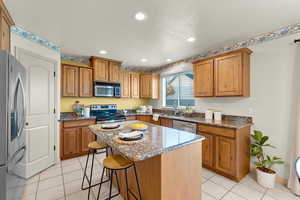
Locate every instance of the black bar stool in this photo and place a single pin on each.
(113, 164)
(93, 148)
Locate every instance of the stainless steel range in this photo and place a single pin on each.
(106, 113)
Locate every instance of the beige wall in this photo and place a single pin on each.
(275, 80)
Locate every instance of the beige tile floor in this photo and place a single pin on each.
(63, 182)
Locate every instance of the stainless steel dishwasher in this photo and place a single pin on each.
(185, 126)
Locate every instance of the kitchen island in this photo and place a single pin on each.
(168, 162)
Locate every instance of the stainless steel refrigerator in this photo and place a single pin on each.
(12, 123)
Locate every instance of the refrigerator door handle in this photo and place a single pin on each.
(19, 88)
(22, 149)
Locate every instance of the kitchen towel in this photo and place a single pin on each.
(155, 117)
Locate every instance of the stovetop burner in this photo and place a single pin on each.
(106, 113)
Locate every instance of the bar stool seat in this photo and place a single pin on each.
(93, 148)
(117, 162)
(97, 145)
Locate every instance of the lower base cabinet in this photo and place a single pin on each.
(148, 119)
(86, 137)
(226, 151)
(166, 122)
(75, 137)
(71, 141)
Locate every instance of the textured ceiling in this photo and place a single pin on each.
(85, 27)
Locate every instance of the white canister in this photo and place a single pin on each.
(87, 112)
(208, 114)
(217, 115)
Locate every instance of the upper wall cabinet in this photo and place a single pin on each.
(125, 84)
(114, 72)
(105, 70)
(130, 84)
(149, 86)
(69, 81)
(76, 81)
(5, 23)
(100, 67)
(135, 85)
(225, 75)
(204, 78)
(85, 82)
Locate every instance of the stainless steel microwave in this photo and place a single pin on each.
(102, 89)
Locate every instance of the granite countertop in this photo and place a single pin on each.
(234, 122)
(157, 140)
(72, 116)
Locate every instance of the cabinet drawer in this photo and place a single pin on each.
(79, 123)
(227, 132)
(130, 118)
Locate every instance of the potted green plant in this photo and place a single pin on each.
(265, 174)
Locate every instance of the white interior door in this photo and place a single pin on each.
(40, 116)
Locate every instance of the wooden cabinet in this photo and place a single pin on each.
(76, 81)
(100, 68)
(125, 84)
(204, 79)
(229, 75)
(71, 141)
(144, 118)
(135, 85)
(148, 119)
(85, 82)
(225, 155)
(130, 84)
(69, 81)
(105, 70)
(86, 137)
(207, 150)
(6, 22)
(226, 150)
(114, 72)
(75, 137)
(130, 118)
(224, 75)
(149, 86)
(166, 122)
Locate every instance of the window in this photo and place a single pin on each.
(179, 90)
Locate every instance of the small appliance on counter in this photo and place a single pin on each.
(106, 113)
(87, 111)
(217, 115)
(209, 114)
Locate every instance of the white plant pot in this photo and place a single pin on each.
(265, 179)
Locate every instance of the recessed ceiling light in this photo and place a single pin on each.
(169, 60)
(144, 60)
(103, 52)
(191, 39)
(140, 16)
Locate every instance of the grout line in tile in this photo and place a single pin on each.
(239, 194)
(63, 180)
(209, 195)
(37, 187)
(265, 193)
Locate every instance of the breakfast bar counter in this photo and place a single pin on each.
(168, 161)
